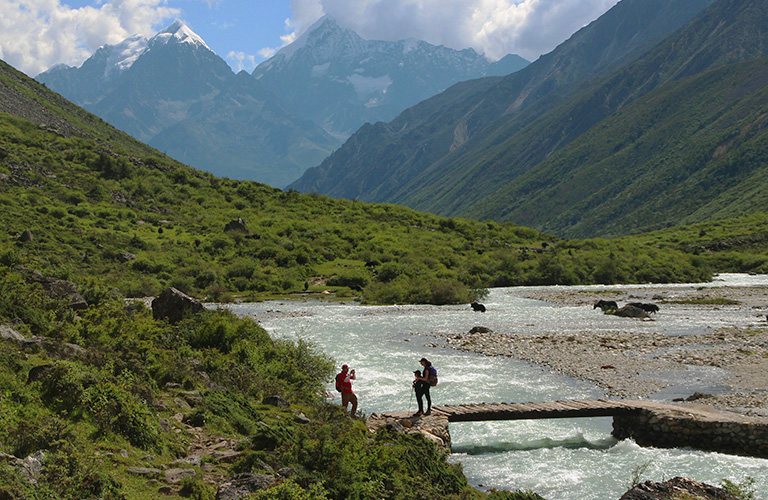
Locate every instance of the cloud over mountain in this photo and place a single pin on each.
(35, 34)
(494, 27)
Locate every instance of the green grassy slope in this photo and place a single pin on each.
(692, 151)
(116, 401)
(725, 34)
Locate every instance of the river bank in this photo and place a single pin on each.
(730, 363)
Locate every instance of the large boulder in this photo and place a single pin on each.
(56, 288)
(675, 489)
(174, 305)
(236, 225)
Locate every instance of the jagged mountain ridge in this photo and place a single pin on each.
(424, 158)
(173, 92)
(341, 81)
(678, 137)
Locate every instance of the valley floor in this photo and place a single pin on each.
(725, 368)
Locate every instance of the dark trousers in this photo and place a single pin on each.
(422, 390)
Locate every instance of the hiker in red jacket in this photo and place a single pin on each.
(344, 385)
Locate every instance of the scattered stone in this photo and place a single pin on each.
(276, 401)
(480, 329)
(286, 472)
(174, 476)
(6, 332)
(60, 289)
(675, 489)
(144, 471)
(126, 257)
(398, 426)
(26, 236)
(165, 490)
(194, 460)
(32, 466)
(174, 305)
(301, 418)
(124, 453)
(243, 485)
(54, 348)
(227, 457)
(6, 457)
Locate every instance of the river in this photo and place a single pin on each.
(568, 459)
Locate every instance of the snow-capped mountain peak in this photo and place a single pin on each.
(179, 32)
(121, 56)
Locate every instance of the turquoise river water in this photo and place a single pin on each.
(568, 459)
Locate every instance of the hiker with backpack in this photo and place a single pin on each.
(422, 382)
(344, 386)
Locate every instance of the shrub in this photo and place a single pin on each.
(289, 490)
(114, 409)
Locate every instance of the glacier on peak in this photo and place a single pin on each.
(180, 32)
(121, 56)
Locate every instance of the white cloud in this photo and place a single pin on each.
(242, 61)
(36, 34)
(494, 27)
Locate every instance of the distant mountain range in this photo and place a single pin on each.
(650, 116)
(341, 81)
(172, 92)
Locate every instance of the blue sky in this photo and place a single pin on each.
(37, 34)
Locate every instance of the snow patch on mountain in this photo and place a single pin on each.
(367, 85)
(122, 56)
(320, 69)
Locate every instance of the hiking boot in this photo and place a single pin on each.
(418, 414)
(429, 412)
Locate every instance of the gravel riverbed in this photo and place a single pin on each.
(642, 363)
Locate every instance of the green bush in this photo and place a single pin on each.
(114, 409)
(288, 490)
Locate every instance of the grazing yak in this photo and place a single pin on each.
(630, 311)
(606, 305)
(649, 308)
(476, 306)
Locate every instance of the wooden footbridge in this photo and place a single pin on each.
(555, 409)
(649, 423)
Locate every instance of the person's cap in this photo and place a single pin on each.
(344, 367)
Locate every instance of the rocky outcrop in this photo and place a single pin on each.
(237, 225)
(675, 489)
(173, 305)
(243, 485)
(56, 288)
(432, 427)
(54, 348)
(6, 332)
